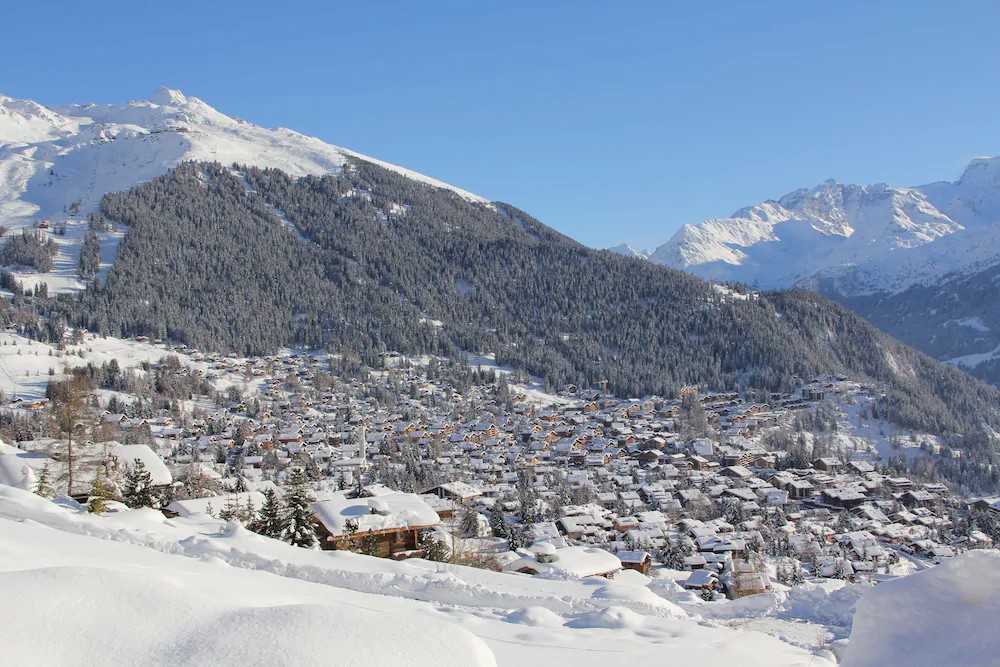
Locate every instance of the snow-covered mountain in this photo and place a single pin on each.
(851, 239)
(629, 251)
(916, 262)
(57, 162)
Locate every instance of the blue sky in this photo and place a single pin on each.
(608, 121)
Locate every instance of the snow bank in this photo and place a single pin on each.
(946, 615)
(235, 579)
(133, 606)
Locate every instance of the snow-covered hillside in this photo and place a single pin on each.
(57, 162)
(851, 239)
(154, 591)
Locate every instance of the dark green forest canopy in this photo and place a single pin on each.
(249, 260)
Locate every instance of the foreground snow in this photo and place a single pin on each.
(75, 600)
(90, 587)
(946, 615)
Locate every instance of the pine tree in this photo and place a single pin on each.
(231, 510)
(43, 487)
(369, 544)
(270, 521)
(470, 522)
(515, 540)
(498, 524)
(434, 550)
(98, 494)
(798, 576)
(138, 491)
(299, 529)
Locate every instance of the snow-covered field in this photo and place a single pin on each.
(152, 591)
(136, 588)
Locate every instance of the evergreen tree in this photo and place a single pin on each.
(470, 522)
(299, 528)
(231, 510)
(515, 539)
(98, 494)
(90, 256)
(369, 544)
(271, 520)
(138, 490)
(434, 549)
(43, 486)
(498, 524)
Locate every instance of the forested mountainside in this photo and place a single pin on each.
(956, 320)
(368, 260)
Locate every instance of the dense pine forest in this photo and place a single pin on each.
(248, 260)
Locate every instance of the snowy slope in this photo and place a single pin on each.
(851, 239)
(57, 162)
(942, 616)
(153, 591)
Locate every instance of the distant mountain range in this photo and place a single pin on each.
(919, 262)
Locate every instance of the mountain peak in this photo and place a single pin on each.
(981, 168)
(165, 96)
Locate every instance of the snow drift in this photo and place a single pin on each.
(946, 615)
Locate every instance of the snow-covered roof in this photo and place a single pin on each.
(570, 562)
(127, 454)
(386, 512)
(701, 579)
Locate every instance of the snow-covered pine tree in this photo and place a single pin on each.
(470, 522)
(138, 491)
(270, 521)
(98, 494)
(299, 529)
(798, 576)
(434, 549)
(515, 540)
(231, 510)
(43, 485)
(369, 544)
(498, 524)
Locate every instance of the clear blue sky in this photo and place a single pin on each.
(608, 121)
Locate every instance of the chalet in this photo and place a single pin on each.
(393, 520)
(701, 579)
(458, 491)
(844, 497)
(577, 562)
(744, 580)
(639, 561)
(861, 467)
(799, 489)
(827, 464)
(918, 498)
(129, 454)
